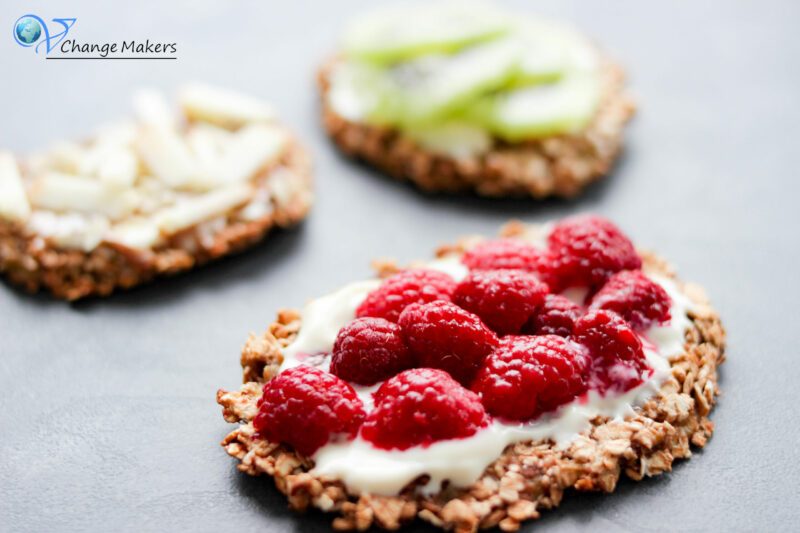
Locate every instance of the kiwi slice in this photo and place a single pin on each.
(401, 33)
(435, 86)
(540, 110)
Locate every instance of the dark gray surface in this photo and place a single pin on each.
(107, 412)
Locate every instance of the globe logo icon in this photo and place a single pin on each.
(28, 30)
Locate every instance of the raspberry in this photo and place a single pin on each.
(368, 350)
(503, 299)
(530, 375)
(305, 407)
(635, 297)
(405, 288)
(619, 361)
(510, 254)
(588, 249)
(421, 406)
(442, 335)
(556, 316)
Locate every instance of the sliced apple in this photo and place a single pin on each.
(432, 87)
(13, 200)
(64, 192)
(190, 211)
(541, 110)
(152, 108)
(167, 156)
(137, 233)
(403, 32)
(251, 149)
(222, 107)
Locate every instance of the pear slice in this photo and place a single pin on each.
(432, 87)
(186, 213)
(222, 107)
(55, 191)
(13, 201)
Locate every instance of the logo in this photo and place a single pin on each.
(29, 29)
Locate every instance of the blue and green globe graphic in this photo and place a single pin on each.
(28, 30)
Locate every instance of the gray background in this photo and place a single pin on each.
(107, 412)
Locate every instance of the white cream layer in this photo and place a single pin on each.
(368, 469)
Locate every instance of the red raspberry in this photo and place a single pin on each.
(503, 299)
(556, 316)
(619, 361)
(442, 335)
(405, 288)
(510, 254)
(530, 375)
(421, 406)
(368, 350)
(588, 249)
(635, 297)
(305, 407)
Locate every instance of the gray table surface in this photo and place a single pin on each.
(107, 412)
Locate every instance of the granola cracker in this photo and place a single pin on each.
(560, 166)
(528, 477)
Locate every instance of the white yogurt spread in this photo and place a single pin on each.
(368, 469)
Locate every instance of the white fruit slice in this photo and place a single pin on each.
(64, 192)
(13, 201)
(251, 149)
(431, 87)
(224, 108)
(152, 109)
(114, 164)
(458, 140)
(137, 233)
(207, 141)
(404, 32)
(190, 211)
(541, 110)
(64, 157)
(118, 167)
(167, 156)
